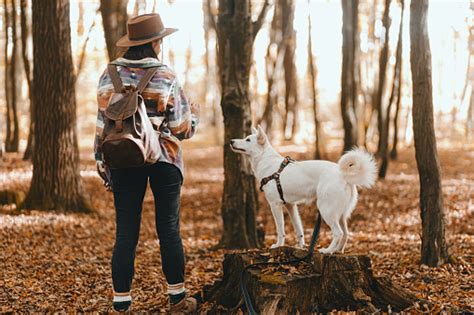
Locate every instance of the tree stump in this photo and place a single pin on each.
(320, 284)
(8, 197)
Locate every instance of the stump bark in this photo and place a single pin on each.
(8, 197)
(320, 284)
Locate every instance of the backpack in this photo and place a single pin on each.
(129, 139)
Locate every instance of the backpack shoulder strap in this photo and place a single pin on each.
(115, 77)
(146, 79)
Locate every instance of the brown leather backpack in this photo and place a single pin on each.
(129, 139)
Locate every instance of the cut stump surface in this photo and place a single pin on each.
(320, 284)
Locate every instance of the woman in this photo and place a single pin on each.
(176, 120)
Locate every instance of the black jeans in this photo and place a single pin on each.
(129, 186)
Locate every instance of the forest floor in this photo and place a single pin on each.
(61, 262)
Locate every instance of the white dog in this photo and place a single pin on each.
(333, 185)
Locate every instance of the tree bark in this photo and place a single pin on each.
(114, 19)
(318, 285)
(273, 65)
(80, 23)
(27, 67)
(349, 84)
(470, 81)
(395, 96)
(8, 120)
(56, 183)
(188, 66)
(211, 86)
(313, 72)
(271, 60)
(434, 250)
(291, 77)
(367, 62)
(13, 135)
(236, 33)
(383, 60)
(394, 151)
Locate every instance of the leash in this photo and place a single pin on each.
(312, 245)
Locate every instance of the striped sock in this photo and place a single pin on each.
(122, 301)
(176, 292)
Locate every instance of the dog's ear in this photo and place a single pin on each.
(254, 131)
(261, 136)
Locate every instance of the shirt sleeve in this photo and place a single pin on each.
(104, 92)
(181, 122)
(98, 136)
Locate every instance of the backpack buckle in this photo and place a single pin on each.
(127, 88)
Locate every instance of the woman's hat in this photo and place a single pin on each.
(144, 29)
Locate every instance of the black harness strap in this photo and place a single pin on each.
(276, 177)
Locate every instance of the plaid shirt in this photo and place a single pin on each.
(166, 105)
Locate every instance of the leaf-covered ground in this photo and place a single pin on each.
(61, 262)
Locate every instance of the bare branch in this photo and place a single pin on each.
(257, 25)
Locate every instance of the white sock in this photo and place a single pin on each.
(177, 288)
(122, 298)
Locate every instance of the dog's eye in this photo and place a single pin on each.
(248, 140)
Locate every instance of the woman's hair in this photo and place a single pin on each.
(140, 52)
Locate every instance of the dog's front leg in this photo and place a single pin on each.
(297, 225)
(277, 211)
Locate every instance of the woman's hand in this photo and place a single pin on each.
(104, 173)
(195, 109)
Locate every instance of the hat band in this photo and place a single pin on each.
(147, 36)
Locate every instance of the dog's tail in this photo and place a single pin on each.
(358, 168)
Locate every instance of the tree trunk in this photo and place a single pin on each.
(291, 77)
(207, 82)
(319, 285)
(434, 251)
(378, 101)
(211, 91)
(236, 34)
(395, 96)
(470, 81)
(56, 178)
(470, 117)
(270, 67)
(368, 60)
(26, 66)
(13, 135)
(349, 84)
(114, 19)
(313, 72)
(80, 23)
(273, 62)
(188, 66)
(8, 119)
(394, 152)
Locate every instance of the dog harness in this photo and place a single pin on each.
(276, 177)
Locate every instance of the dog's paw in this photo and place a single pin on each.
(301, 245)
(325, 251)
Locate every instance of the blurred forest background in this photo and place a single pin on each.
(192, 53)
(320, 76)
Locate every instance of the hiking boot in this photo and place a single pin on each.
(122, 307)
(187, 305)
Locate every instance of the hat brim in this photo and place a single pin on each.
(126, 42)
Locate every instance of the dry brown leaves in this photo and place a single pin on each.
(61, 262)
